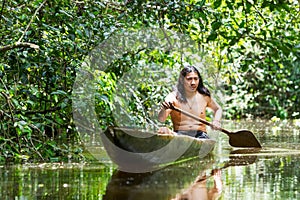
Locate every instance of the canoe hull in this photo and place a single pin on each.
(134, 150)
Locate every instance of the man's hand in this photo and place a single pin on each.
(165, 130)
(216, 125)
(167, 105)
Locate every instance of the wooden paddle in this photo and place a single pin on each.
(241, 138)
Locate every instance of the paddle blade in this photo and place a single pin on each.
(243, 138)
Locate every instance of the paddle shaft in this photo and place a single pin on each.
(199, 119)
(243, 138)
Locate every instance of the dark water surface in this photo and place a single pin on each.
(270, 173)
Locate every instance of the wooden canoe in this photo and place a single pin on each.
(135, 150)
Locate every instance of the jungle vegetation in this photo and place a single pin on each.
(251, 47)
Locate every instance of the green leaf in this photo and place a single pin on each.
(59, 92)
(216, 25)
(203, 16)
(213, 35)
(200, 4)
(217, 3)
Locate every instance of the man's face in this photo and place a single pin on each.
(191, 82)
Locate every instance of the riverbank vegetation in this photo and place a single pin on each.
(252, 47)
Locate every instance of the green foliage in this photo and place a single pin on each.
(36, 83)
(105, 88)
(253, 47)
(260, 48)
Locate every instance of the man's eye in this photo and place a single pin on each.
(195, 79)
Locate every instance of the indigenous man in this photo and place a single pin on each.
(190, 95)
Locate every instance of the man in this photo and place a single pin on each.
(190, 95)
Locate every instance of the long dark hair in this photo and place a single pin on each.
(180, 92)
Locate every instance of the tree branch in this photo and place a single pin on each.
(31, 20)
(19, 45)
(30, 112)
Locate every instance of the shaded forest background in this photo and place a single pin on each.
(252, 47)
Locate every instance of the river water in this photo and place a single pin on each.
(229, 173)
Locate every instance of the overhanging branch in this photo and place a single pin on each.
(19, 45)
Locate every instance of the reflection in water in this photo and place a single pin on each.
(199, 191)
(53, 181)
(274, 174)
(270, 175)
(162, 184)
(187, 181)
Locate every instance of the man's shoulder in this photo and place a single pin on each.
(171, 95)
(205, 97)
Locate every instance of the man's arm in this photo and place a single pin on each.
(163, 114)
(217, 112)
(165, 111)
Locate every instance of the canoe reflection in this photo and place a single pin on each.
(161, 184)
(181, 182)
